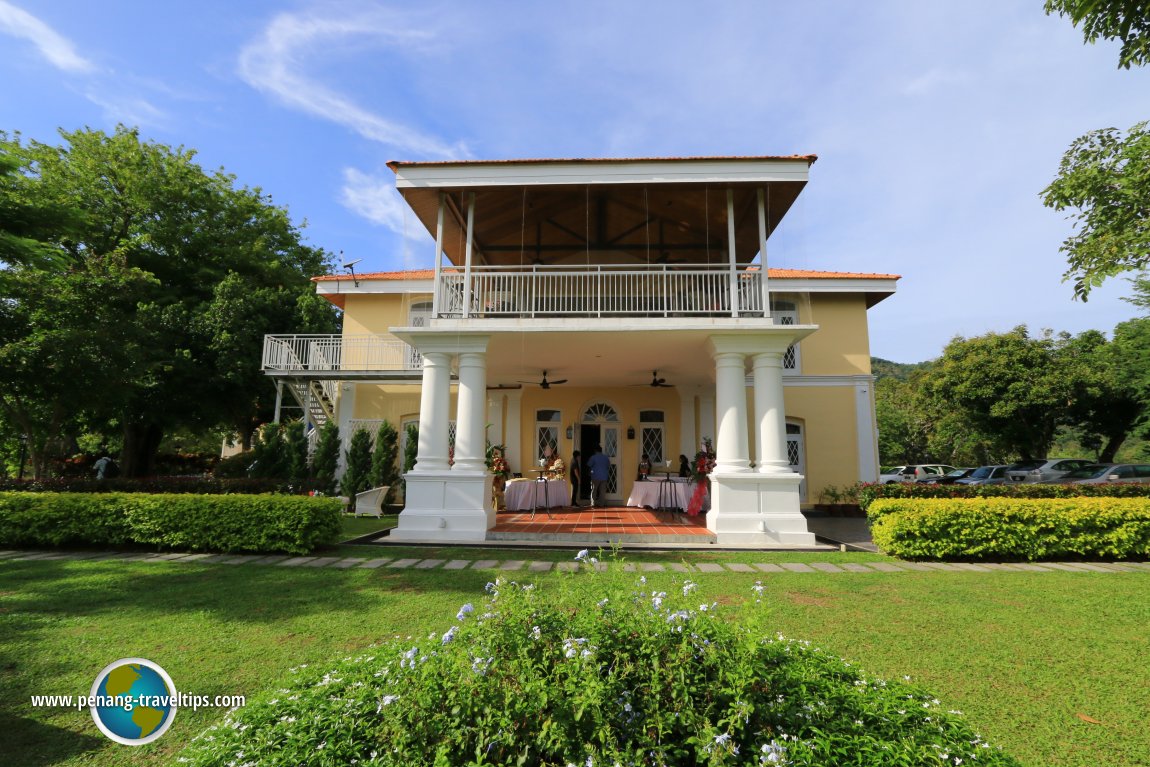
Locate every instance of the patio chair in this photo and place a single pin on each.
(370, 502)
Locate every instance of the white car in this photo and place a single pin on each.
(914, 473)
(1044, 470)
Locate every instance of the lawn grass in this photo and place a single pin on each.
(1023, 654)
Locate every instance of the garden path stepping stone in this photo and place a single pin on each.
(652, 567)
(273, 559)
(885, 567)
(321, 562)
(6, 554)
(371, 564)
(797, 567)
(513, 564)
(679, 567)
(739, 567)
(484, 564)
(942, 566)
(914, 566)
(293, 562)
(826, 567)
(1094, 568)
(402, 564)
(242, 559)
(766, 568)
(344, 564)
(430, 564)
(539, 567)
(971, 567)
(709, 567)
(457, 564)
(855, 567)
(567, 567)
(196, 557)
(998, 566)
(1030, 567)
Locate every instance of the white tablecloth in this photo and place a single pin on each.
(520, 494)
(647, 493)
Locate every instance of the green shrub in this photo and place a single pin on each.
(225, 523)
(295, 451)
(358, 471)
(325, 462)
(870, 492)
(384, 472)
(1012, 528)
(202, 485)
(607, 670)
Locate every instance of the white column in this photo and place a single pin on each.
(469, 447)
(867, 435)
(732, 453)
(344, 412)
(467, 255)
(688, 439)
(495, 418)
(733, 277)
(763, 255)
(434, 412)
(435, 300)
(770, 414)
(514, 430)
(706, 420)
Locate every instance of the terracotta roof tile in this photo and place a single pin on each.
(395, 165)
(778, 274)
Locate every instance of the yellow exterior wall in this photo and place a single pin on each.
(391, 402)
(841, 345)
(830, 434)
(374, 313)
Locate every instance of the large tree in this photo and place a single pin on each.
(222, 262)
(1124, 20)
(1105, 176)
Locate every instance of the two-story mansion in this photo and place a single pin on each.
(624, 303)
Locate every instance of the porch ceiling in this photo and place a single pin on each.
(623, 356)
(602, 212)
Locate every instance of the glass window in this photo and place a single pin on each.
(548, 416)
(651, 416)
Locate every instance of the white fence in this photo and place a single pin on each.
(289, 353)
(594, 291)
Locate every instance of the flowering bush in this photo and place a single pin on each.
(870, 492)
(608, 670)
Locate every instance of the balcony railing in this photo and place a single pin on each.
(658, 290)
(359, 353)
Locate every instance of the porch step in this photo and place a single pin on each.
(604, 539)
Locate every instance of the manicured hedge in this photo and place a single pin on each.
(210, 485)
(868, 493)
(1012, 528)
(224, 523)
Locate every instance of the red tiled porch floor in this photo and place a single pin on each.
(612, 523)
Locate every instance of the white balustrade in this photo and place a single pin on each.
(319, 353)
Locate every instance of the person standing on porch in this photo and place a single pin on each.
(599, 466)
(576, 477)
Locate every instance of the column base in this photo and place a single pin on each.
(757, 509)
(446, 506)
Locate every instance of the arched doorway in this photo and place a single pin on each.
(599, 425)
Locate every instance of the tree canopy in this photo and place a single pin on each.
(1124, 20)
(205, 268)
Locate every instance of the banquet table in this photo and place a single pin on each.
(520, 494)
(647, 494)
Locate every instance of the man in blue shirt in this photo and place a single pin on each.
(599, 467)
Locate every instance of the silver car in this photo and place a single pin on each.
(1044, 470)
(1104, 473)
(986, 475)
(914, 473)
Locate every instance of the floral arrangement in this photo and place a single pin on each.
(496, 463)
(701, 468)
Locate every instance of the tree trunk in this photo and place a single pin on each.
(1111, 449)
(141, 443)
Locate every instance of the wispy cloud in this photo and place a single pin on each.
(378, 201)
(932, 80)
(53, 46)
(276, 63)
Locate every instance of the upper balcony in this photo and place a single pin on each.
(594, 291)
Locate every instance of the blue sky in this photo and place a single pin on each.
(937, 124)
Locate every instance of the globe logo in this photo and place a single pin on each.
(134, 701)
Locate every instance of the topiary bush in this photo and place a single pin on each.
(201, 485)
(1012, 528)
(607, 670)
(224, 523)
(870, 492)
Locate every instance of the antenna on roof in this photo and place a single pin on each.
(350, 266)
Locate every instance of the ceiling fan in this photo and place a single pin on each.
(545, 384)
(656, 381)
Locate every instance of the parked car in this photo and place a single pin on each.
(947, 479)
(1103, 473)
(1040, 470)
(985, 475)
(914, 473)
